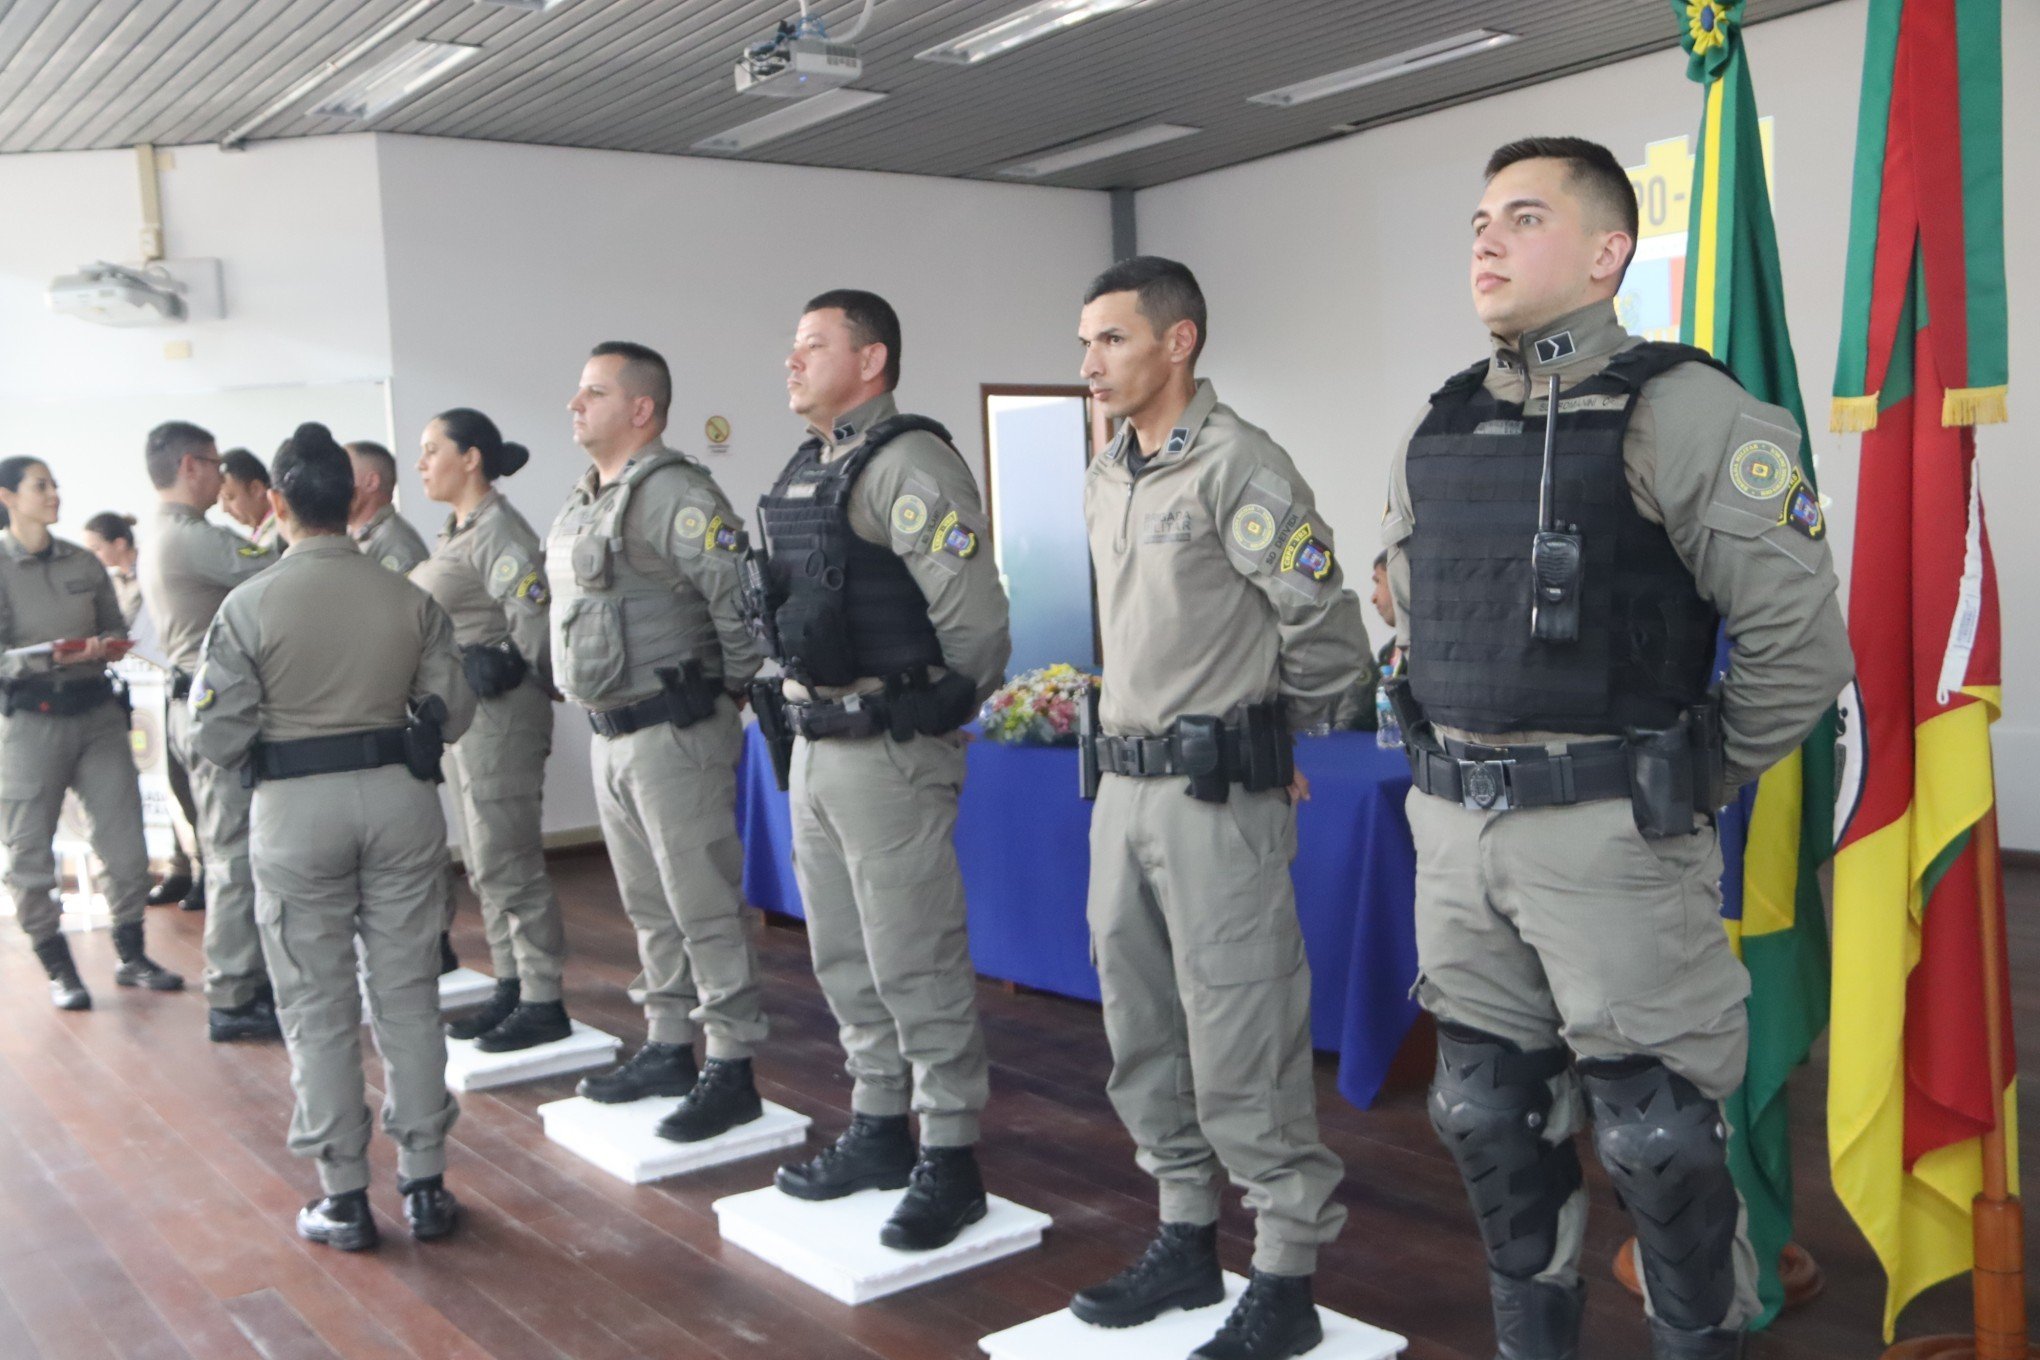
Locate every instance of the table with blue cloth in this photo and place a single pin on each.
(1023, 838)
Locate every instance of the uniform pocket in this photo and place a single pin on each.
(1243, 961)
(594, 659)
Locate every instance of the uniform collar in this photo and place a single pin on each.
(852, 424)
(1181, 437)
(375, 522)
(322, 545)
(591, 480)
(1578, 337)
(12, 545)
(179, 510)
(456, 525)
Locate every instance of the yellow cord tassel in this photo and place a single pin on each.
(1853, 415)
(1973, 406)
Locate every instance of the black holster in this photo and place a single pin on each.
(67, 700)
(915, 705)
(425, 738)
(1200, 750)
(1676, 774)
(492, 670)
(1087, 745)
(768, 701)
(690, 696)
(1267, 754)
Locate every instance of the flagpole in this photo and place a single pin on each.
(1996, 1219)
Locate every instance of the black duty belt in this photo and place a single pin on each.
(1498, 778)
(667, 706)
(180, 684)
(328, 755)
(56, 698)
(855, 715)
(1155, 757)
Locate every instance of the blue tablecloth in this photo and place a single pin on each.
(1023, 837)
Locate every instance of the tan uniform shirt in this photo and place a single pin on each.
(389, 539)
(329, 642)
(1773, 584)
(269, 533)
(1218, 584)
(127, 588)
(904, 499)
(673, 594)
(488, 574)
(187, 568)
(61, 592)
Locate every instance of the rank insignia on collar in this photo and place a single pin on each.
(842, 432)
(1179, 439)
(1552, 348)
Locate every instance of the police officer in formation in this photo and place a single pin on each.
(244, 495)
(187, 569)
(1223, 628)
(649, 636)
(889, 621)
(373, 523)
(488, 574)
(333, 682)
(64, 726)
(1568, 757)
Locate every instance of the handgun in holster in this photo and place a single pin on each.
(754, 591)
(1087, 746)
(689, 695)
(1267, 751)
(425, 738)
(1200, 754)
(769, 703)
(1676, 774)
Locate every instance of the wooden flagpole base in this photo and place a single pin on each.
(1797, 1270)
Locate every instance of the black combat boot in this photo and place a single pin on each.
(1709, 1343)
(195, 899)
(429, 1207)
(448, 960)
(67, 992)
(339, 1221)
(531, 1024)
(654, 1070)
(172, 889)
(875, 1153)
(946, 1195)
(256, 1020)
(1535, 1319)
(1274, 1320)
(722, 1099)
(1179, 1269)
(138, 969)
(492, 1013)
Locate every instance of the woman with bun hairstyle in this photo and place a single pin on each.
(331, 683)
(110, 537)
(488, 573)
(64, 726)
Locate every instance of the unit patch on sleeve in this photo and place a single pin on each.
(1761, 470)
(1802, 510)
(954, 538)
(909, 516)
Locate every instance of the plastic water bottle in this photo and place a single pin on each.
(1387, 731)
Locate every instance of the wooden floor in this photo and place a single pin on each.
(146, 1197)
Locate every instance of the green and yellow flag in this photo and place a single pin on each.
(1734, 308)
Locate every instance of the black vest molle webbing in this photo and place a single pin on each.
(845, 608)
(1647, 639)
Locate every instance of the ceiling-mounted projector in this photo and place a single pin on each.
(796, 62)
(113, 295)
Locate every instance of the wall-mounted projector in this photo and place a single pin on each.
(160, 294)
(793, 68)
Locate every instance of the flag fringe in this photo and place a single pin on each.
(1853, 415)
(1974, 406)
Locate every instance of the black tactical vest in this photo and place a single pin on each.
(1646, 640)
(845, 608)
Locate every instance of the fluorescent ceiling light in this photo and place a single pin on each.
(802, 113)
(1387, 68)
(1103, 149)
(395, 78)
(1022, 26)
(535, 6)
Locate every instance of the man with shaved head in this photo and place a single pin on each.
(372, 519)
(1570, 524)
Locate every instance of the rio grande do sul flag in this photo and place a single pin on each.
(1909, 1091)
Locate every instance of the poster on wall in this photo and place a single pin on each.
(1653, 292)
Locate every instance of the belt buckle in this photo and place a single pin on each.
(1484, 785)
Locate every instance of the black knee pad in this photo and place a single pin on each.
(1666, 1148)
(1490, 1104)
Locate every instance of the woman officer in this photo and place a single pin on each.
(333, 682)
(61, 727)
(488, 574)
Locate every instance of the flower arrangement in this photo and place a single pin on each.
(1039, 708)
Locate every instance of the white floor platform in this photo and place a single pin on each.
(834, 1246)
(622, 1139)
(1173, 1335)
(468, 1069)
(462, 987)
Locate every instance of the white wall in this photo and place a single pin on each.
(506, 263)
(1337, 276)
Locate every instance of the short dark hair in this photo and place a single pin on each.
(385, 461)
(167, 445)
(644, 369)
(872, 321)
(1380, 560)
(112, 526)
(470, 429)
(12, 470)
(1167, 293)
(244, 466)
(315, 477)
(1592, 173)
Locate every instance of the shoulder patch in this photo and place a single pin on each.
(392, 562)
(722, 537)
(532, 589)
(1305, 554)
(203, 698)
(253, 550)
(691, 524)
(1802, 510)
(909, 515)
(1761, 470)
(954, 538)
(1253, 527)
(502, 573)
